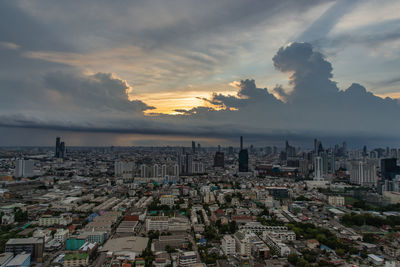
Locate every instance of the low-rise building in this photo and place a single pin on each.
(187, 258)
(157, 223)
(276, 246)
(49, 220)
(167, 200)
(61, 235)
(336, 200)
(76, 259)
(21, 260)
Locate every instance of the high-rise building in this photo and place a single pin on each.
(155, 171)
(163, 170)
(363, 173)
(318, 164)
(219, 159)
(193, 147)
(290, 150)
(125, 169)
(390, 172)
(389, 168)
(24, 168)
(144, 173)
(57, 151)
(185, 162)
(60, 148)
(243, 158)
(176, 170)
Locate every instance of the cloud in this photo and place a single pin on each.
(314, 107)
(9, 45)
(102, 92)
(310, 72)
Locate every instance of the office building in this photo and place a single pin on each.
(60, 148)
(219, 159)
(185, 162)
(193, 147)
(390, 173)
(124, 169)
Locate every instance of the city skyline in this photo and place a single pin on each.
(270, 71)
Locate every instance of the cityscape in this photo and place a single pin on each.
(200, 206)
(199, 133)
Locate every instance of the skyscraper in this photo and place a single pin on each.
(193, 147)
(57, 151)
(389, 172)
(243, 158)
(185, 162)
(60, 148)
(219, 159)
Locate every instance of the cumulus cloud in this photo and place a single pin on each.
(99, 92)
(315, 105)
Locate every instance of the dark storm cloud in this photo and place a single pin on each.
(19, 27)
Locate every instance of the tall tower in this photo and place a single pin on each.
(318, 169)
(57, 150)
(243, 158)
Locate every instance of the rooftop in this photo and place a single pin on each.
(19, 259)
(30, 240)
(76, 256)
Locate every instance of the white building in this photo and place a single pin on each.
(24, 168)
(228, 245)
(278, 232)
(157, 223)
(363, 173)
(318, 169)
(61, 235)
(163, 171)
(276, 246)
(155, 171)
(48, 220)
(242, 243)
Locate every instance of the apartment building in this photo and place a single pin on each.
(228, 245)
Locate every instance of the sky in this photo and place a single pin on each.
(159, 72)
